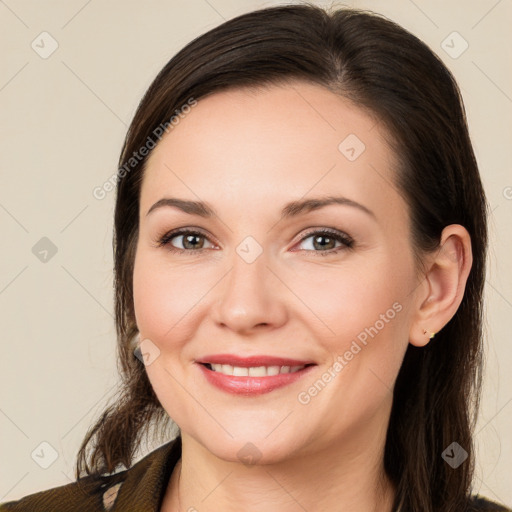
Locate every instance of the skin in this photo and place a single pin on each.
(247, 153)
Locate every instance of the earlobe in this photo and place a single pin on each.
(431, 335)
(444, 285)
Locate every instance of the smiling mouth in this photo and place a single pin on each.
(254, 375)
(253, 371)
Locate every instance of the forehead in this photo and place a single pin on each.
(253, 145)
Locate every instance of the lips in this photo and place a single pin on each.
(252, 361)
(252, 375)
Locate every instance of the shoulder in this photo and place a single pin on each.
(84, 494)
(481, 504)
(142, 484)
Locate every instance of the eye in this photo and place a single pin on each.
(325, 240)
(190, 240)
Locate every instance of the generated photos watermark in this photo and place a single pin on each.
(100, 192)
(342, 360)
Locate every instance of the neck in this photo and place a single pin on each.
(340, 477)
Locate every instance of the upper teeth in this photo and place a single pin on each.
(254, 371)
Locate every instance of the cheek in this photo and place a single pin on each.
(161, 298)
(149, 297)
(160, 312)
(155, 298)
(346, 301)
(169, 300)
(364, 322)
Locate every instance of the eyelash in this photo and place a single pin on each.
(346, 240)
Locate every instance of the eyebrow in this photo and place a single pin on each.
(292, 209)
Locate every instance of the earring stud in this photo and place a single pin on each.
(432, 334)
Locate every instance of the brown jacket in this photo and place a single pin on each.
(138, 489)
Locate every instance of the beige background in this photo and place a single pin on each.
(64, 118)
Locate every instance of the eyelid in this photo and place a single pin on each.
(320, 229)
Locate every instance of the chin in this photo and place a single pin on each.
(251, 447)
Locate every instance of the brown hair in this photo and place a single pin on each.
(384, 69)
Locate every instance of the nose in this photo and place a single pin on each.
(251, 297)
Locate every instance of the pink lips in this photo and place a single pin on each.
(248, 385)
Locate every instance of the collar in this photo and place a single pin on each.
(142, 487)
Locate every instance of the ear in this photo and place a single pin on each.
(441, 292)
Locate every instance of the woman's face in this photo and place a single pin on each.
(253, 282)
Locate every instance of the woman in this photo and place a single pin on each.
(346, 380)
